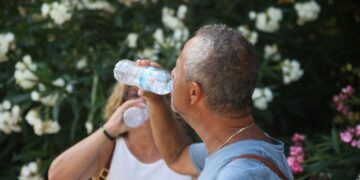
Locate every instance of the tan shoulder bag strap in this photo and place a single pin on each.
(105, 171)
(266, 162)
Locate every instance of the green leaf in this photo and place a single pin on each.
(335, 140)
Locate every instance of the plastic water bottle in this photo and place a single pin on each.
(147, 78)
(135, 116)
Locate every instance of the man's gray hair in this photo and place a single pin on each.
(226, 66)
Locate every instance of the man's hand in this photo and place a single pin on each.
(149, 96)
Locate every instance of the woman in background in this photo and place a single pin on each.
(132, 156)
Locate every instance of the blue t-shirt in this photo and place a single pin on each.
(220, 165)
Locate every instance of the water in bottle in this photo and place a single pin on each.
(147, 78)
(135, 116)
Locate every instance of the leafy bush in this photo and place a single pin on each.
(56, 61)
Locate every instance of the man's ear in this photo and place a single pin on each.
(196, 92)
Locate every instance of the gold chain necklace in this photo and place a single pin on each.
(233, 135)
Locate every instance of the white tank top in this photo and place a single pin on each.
(125, 166)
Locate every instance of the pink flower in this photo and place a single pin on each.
(348, 90)
(351, 130)
(357, 130)
(298, 138)
(295, 166)
(291, 160)
(353, 143)
(342, 108)
(300, 158)
(346, 136)
(296, 150)
(340, 98)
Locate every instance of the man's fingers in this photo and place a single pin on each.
(143, 62)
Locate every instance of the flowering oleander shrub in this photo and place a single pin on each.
(334, 155)
(325, 156)
(57, 56)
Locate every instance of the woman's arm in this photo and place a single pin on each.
(83, 160)
(86, 158)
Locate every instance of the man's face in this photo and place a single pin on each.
(180, 97)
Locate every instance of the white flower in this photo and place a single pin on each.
(45, 9)
(50, 127)
(132, 39)
(260, 103)
(159, 36)
(9, 117)
(96, 5)
(82, 63)
(6, 40)
(25, 171)
(269, 21)
(251, 36)
(170, 20)
(9, 37)
(30, 172)
(89, 127)
(252, 15)
(261, 97)
(24, 75)
(59, 13)
(41, 87)
(181, 13)
(59, 82)
(263, 24)
(50, 99)
(271, 51)
(6, 105)
(69, 88)
(32, 167)
(26, 79)
(35, 96)
(291, 71)
(41, 127)
(28, 62)
(307, 11)
(181, 34)
(33, 117)
(268, 94)
(274, 14)
(20, 66)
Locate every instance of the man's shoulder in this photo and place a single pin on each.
(246, 169)
(239, 169)
(234, 174)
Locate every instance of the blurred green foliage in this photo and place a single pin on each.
(321, 46)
